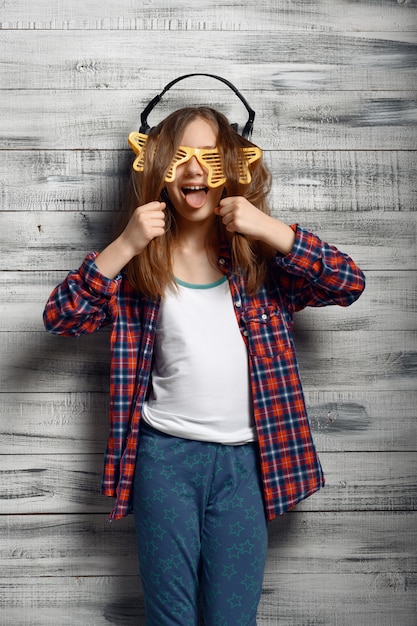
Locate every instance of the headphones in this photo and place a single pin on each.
(247, 130)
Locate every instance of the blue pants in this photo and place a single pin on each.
(200, 524)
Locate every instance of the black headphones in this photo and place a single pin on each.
(247, 130)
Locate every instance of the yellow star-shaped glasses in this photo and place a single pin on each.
(209, 159)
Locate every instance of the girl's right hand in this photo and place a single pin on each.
(146, 223)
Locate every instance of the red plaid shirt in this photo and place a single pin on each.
(313, 274)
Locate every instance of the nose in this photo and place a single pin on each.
(193, 167)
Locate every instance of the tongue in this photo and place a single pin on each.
(195, 199)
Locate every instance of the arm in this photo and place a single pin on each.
(317, 274)
(314, 272)
(240, 216)
(82, 302)
(146, 223)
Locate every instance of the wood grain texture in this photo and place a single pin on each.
(54, 423)
(288, 600)
(293, 120)
(60, 240)
(179, 16)
(329, 361)
(333, 83)
(393, 294)
(328, 181)
(77, 422)
(276, 61)
(370, 542)
(356, 481)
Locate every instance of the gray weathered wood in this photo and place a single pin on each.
(87, 545)
(235, 15)
(329, 361)
(277, 61)
(367, 420)
(60, 240)
(356, 481)
(97, 180)
(393, 294)
(289, 600)
(334, 87)
(59, 423)
(76, 422)
(290, 120)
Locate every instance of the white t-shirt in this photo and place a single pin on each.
(200, 378)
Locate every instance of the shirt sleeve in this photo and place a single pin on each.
(81, 304)
(315, 273)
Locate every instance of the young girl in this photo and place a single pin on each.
(209, 433)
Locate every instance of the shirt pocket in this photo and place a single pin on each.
(266, 332)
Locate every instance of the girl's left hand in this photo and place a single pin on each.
(241, 216)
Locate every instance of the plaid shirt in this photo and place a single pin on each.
(313, 274)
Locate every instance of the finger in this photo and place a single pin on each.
(155, 204)
(227, 200)
(228, 218)
(226, 209)
(231, 227)
(151, 206)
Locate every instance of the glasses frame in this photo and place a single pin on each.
(208, 158)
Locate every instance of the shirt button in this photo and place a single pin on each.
(264, 316)
(221, 261)
(245, 332)
(238, 304)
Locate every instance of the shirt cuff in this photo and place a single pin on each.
(95, 280)
(306, 251)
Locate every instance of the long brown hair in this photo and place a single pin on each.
(151, 271)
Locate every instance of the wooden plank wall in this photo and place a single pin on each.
(333, 83)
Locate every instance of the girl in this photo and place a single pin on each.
(209, 433)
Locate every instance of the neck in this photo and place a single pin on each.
(194, 255)
(196, 236)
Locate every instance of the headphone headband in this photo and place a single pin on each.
(247, 131)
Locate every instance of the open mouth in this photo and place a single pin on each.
(194, 189)
(195, 195)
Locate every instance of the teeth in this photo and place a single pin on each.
(191, 188)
